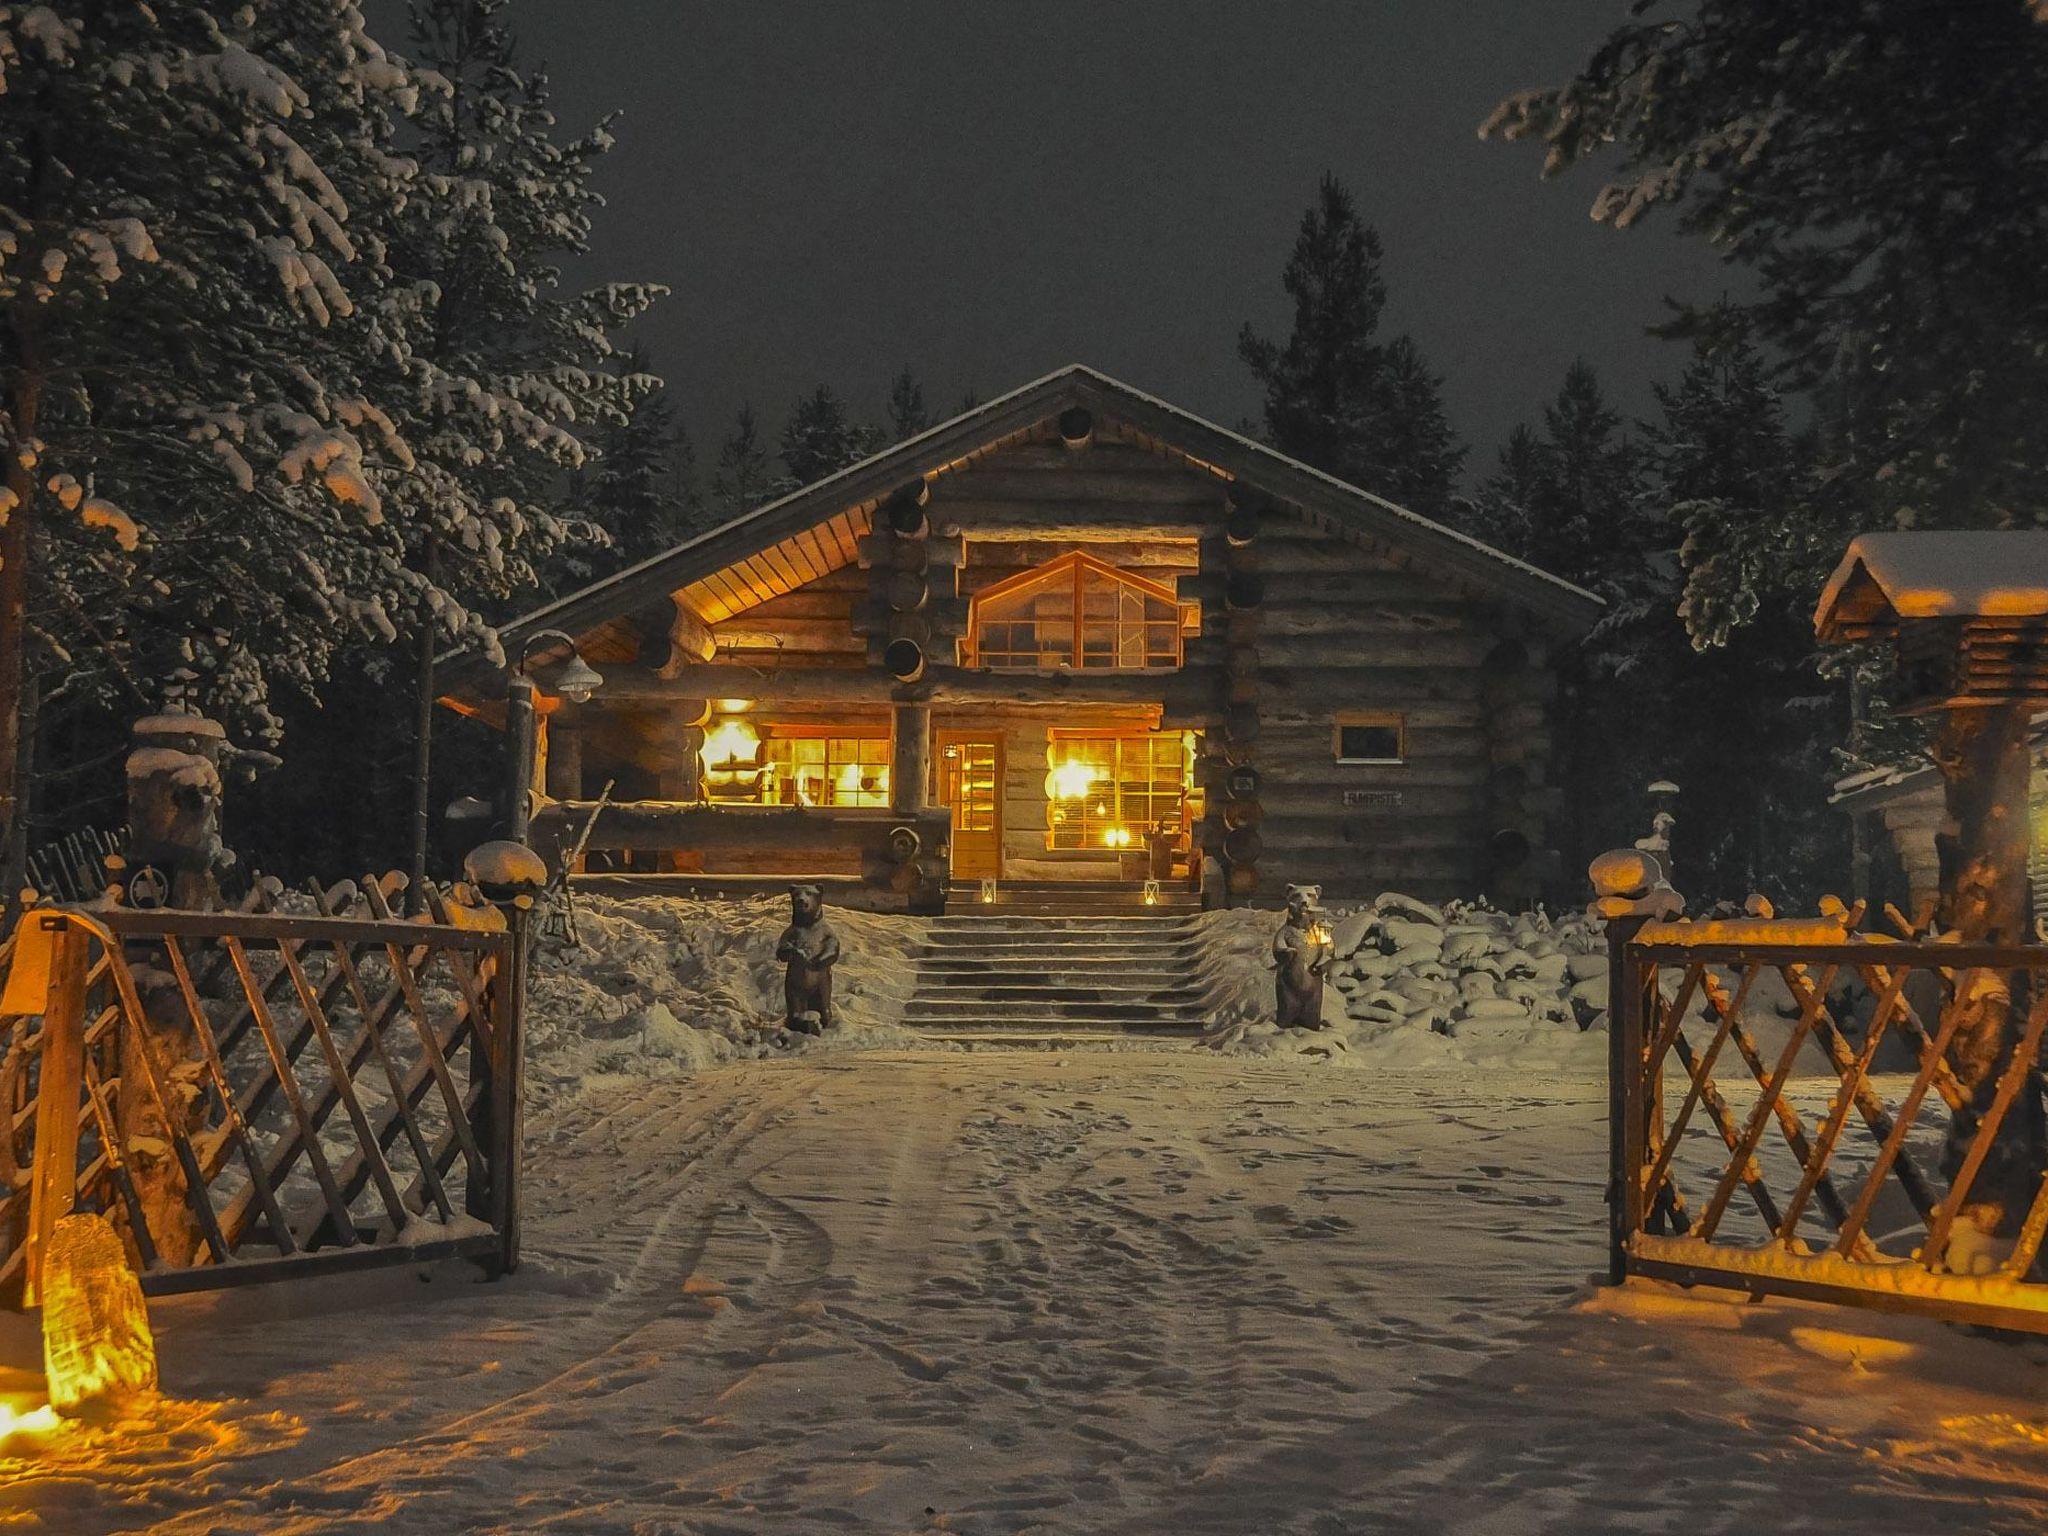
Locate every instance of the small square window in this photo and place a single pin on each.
(1369, 739)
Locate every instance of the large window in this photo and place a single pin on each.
(820, 769)
(1109, 791)
(1076, 612)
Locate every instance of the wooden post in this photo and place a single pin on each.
(1986, 765)
(1626, 1130)
(508, 1090)
(520, 749)
(54, 1181)
(565, 757)
(911, 760)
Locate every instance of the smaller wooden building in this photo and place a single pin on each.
(1074, 633)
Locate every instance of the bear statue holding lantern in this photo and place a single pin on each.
(1301, 958)
(808, 950)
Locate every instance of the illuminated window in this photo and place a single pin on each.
(1077, 612)
(1370, 739)
(816, 768)
(1106, 791)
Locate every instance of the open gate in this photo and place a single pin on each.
(1848, 1184)
(251, 1095)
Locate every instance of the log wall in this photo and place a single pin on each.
(1301, 625)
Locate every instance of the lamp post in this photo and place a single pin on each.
(563, 675)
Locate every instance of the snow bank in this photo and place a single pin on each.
(1419, 986)
(665, 986)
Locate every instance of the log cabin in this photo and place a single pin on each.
(1075, 633)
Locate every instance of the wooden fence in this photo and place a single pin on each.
(250, 1095)
(1789, 1118)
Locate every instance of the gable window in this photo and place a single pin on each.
(1376, 738)
(1077, 612)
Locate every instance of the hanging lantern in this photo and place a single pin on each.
(97, 1347)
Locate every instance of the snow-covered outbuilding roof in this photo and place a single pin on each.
(1887, 579)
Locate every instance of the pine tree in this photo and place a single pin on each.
(684, 490)
(1878, 169)
(907, 414)
(1584, 521)
(1504, 509)
(743, 479)
(630, 490)
(820, 439)
(1336, 397)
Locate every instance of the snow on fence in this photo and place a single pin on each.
(253, 1094)
(1790, 1115)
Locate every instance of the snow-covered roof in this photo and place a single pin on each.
(1429, 544)
(1887, 578)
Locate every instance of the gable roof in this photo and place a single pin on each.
(1886, 579)
(852, 492)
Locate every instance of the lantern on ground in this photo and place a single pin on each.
(97, 1347)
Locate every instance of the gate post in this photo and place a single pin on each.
(512, 877)
(53, 1187)
(1625, 1096)
(1631, 889)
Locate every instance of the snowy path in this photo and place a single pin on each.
(1135, 1292)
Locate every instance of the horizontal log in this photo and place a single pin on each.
(1102, 522)
(943, 683)
(1079, 482)
(1020, 554)
(748, 633)
(637, 825)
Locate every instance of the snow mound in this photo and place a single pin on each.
(1415, 987)
(665, 986)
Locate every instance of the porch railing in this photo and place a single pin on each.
(1795, 1117)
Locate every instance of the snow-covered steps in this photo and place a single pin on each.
(1020, 976)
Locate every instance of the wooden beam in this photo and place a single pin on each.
(941, 683)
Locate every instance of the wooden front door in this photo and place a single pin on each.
(971, 784)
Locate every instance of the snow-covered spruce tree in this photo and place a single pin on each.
(821, 438)
(194, 212)
(1337, 397)
(1882, 172)
(511, 375)
(1503, 508)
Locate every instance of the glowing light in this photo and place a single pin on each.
(30, 1424)
(1117, 837)
(734, 744)
(97, 1346)
(988, 888)
(1319, 934)
(1151, 893)
(1072, 780)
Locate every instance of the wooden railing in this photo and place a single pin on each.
(252, 1094)
(1801, 1117)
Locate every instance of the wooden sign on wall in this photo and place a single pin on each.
(1373, 799)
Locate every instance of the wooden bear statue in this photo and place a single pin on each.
(808, 950)
(1301, 956)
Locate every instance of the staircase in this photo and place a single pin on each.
(1059, 960)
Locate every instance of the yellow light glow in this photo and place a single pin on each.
(1116, 837)
(97, 1346)
(30, 1424)
(1073, 779)
(734, 743)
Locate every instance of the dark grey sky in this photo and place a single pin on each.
(834, 188)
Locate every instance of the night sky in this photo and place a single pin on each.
(985, 192)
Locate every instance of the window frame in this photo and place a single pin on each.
(773, 732)
(1056, 736)
(1384, 719)
(1079, 565)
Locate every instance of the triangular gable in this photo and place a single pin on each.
(760, 543)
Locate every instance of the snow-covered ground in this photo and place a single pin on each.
(1157, 1291)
